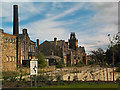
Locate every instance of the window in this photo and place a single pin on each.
(7, 58)
(33, 49)
(74, 57)
(23, 47)
(29, 49)
(10, 59)
(23, 57)
(29, 57)
(13, 59)
(11, 40)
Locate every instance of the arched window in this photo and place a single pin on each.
(13, 58)
(10, 58)
(23, 57)
(7, 58)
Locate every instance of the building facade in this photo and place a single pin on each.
(69, 52)
(8, 42)
(16, 48)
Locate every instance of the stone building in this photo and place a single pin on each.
(70, 53)
(16, 48)
(8, 42)
(19, 49)
(25, 48)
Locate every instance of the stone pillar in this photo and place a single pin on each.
(15, 20)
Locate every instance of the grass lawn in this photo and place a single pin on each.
(85, 85)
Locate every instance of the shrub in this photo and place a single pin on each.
(59, 64)
(42, 78)
(118, 69)
(20, 84)
(80, 64)
(9, 75)
(41, 60)
(13, 79)
(5, 78)
(118, 80)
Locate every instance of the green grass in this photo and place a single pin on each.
(85, 85)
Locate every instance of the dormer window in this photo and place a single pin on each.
(11, 40)
(7, 39)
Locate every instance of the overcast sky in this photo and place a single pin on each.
(91, 22)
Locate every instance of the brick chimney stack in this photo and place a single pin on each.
(37, 42)
(15, 20)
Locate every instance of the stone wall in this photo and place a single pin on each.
(8, 52)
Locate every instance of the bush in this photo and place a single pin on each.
(5, 78)
(41, 60)
(13, 79)
(90, 62)
(80, 64)
(42, 78)
(118, 69)
(59, 64)
(118, 80)
(9, 75)
(20, 84)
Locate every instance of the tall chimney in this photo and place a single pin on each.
(37, 42)
(15, 20)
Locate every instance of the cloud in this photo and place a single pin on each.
(91, 31)
(25, 10)
(60, 0)
(68, 11)
(46, 30)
